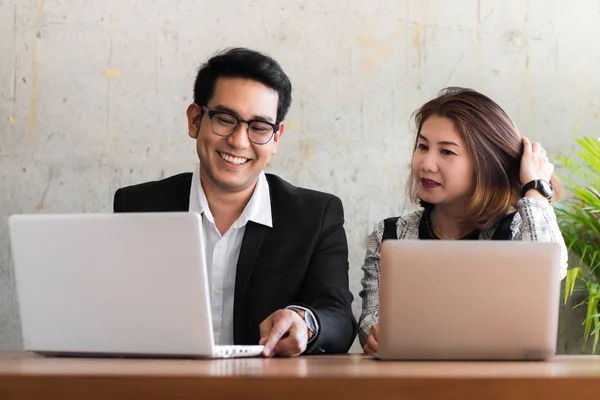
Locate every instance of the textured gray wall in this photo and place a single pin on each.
(93, 93)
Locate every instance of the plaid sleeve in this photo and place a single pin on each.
(539, 224)
(370, 285)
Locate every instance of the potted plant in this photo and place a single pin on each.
(579, 220)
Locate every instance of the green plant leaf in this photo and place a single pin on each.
(596, 333)
(592, 309)
(579, 221)
(570, 280)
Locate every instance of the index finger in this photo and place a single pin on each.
(372, 344)
(280, 328)
(375, 331)
(526, 145)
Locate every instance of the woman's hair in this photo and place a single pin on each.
(495, 145)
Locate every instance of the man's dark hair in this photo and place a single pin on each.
(247, 64)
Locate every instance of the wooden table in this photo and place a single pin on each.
(25, 376)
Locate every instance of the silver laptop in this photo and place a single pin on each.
(115, 285)
(468, 300)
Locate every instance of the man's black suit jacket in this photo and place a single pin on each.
(301, 260)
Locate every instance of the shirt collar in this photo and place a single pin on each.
(257, 210)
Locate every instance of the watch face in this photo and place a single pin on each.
(546, 188)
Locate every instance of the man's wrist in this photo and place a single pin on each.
(309, 319)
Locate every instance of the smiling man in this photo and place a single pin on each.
(277, 255)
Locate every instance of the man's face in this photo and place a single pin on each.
(233, 163)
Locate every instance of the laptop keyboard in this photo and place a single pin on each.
(238, 351)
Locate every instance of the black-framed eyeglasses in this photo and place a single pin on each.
(225, 124)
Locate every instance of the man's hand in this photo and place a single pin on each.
(283, 333)
(372, 345)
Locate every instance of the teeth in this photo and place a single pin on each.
(233, 160)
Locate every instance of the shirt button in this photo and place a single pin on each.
(216, 291)
(218, 246)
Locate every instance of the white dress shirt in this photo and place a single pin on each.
(222, 251)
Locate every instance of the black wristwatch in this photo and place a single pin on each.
(542, 186)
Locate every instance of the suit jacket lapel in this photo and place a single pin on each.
(253, 238)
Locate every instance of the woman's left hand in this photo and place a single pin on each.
(534, 163)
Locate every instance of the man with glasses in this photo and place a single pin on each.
(277, 254)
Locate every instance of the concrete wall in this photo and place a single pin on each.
(93, 93)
